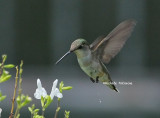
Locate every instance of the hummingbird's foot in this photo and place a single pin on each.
(92, 80)
(97, 79)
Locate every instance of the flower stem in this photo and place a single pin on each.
(14, 95)
(19, 89)
(20, 80)
(16, 113)
(58, 108)
(43, 112)
(31, 115)
(2, 64)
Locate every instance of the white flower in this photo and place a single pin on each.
(40, 91)
(0, 111)
(55, 91)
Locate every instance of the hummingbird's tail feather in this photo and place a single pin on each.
(111, 86)
(115, 89)
(108, 82)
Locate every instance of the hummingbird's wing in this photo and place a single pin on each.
(106, 48)
(97, 41)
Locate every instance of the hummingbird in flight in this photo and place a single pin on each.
(91, 58)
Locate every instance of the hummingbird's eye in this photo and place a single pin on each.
(83, 43)
(80, 47)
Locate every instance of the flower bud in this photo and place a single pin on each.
(4, 57)
(67, 88)
(18, 100)
(26, 101)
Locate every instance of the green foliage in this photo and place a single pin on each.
(67, 88)
(34, 112)
(61, 87)
(4, 75)
(67, 114)
(49, 100)
(18, 116)
(2, 97)
(8, 66)
(23, 100)
(45, 102)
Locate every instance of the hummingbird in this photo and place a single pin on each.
(91, 58)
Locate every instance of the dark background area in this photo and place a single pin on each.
(41, 31)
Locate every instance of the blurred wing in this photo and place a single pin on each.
(96, 42)
(109, 46)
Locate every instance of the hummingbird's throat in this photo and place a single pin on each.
(82, 53)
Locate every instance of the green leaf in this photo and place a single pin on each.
(38, 116)
(2, 98)
(67, 114)
(42, 101)
(0, 93)
(36, 110)
(4, 73)
(61, 86)
(4, 78)
(26, 101)
(49, 101)
(33, 106)
(30, 109)
(18, 116)
(67, 88)
(9, 66)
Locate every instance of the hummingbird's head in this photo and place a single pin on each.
(77, 46)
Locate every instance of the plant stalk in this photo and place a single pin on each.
(58, 108)
(15, 89)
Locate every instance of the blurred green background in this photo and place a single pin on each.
(41, 31)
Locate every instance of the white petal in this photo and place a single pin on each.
(37, 94)
(54, 84)
(40, 91)
(39, 85)
(57, 93)
(52, 94)
(44, 93)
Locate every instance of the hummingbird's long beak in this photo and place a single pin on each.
(63, 56)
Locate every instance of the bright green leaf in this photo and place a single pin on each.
(30, 109)
(42, 101)
(61, 86)
(49, 100)
(4, 78)
(2, 98)
(9, 66)
(67, 88)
